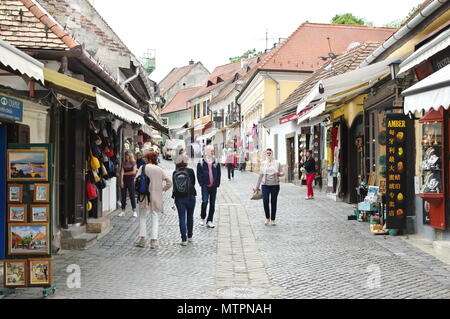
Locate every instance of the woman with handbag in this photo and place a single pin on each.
(127, 176)
(159, 183)
(270, 179)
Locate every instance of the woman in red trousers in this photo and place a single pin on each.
(310, 167)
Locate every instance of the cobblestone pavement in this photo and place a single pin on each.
(313, 252)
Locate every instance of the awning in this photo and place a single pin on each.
(339, 86)
(436, 45)
(430, 93)
(106, 101)
(21, 62)
(200, 126)
(314, 112)
(68, 83)
(147, 129)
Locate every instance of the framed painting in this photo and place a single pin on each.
(41, 193)
(15, 273)
(40, 272)
(27, 165)
(28, 239)
(39, 213)
(15, 193)
(17, 213)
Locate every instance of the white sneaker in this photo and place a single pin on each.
(121, 214)
(202, 222)
(190, 240)
(135, 214)
(210, 225)
(183, 243)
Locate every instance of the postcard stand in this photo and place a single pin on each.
(29, 182)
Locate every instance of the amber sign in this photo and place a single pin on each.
(396, 171)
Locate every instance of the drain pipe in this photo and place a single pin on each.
(130, 79)
(402, 32)
(278, 88)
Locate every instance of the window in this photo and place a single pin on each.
(205, 108)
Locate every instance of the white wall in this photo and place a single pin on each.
(283, 130)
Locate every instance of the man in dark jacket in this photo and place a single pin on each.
(208, 176)
(310, 167)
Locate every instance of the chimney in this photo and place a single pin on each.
(191, 62)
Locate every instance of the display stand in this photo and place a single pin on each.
(29, 176)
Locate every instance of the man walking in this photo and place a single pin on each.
(208, 175)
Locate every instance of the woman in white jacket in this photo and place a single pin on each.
(159, 183)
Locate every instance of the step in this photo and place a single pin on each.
(97, 225)
(80, 242)
(441, 247)
(72, 231)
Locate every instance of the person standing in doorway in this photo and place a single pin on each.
(230, 163)
(153, 204)
(183, 179)
(310, 169)
(241, 159)
(269, 177)
(127, 176)
(208, 175)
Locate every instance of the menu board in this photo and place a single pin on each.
(396, 171)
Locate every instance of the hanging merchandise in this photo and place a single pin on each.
(91, 190)
(95, 163)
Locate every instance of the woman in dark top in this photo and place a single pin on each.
(184, 192)
(127, 176)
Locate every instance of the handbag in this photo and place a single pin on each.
(257, 195)
(91, 190)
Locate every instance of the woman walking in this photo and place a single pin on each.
(184, 193)
(230, 163)
(127, 176)
(153, 204)
(270, 179)
(310, 167)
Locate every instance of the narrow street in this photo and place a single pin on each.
(313, 252)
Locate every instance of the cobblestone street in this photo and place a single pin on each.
(312, 252)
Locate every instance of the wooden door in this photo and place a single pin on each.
(290, 147)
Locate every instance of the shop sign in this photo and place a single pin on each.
(288, 118)
(11, 109)
(396, 149)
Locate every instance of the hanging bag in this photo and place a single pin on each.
(94, 162)
(91, 190)
(142, 185)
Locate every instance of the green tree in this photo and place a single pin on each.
(249, 54)
(398, 23)
(348, 18)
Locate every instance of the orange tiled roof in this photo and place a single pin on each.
(34, 30)
(301, 50)
(348, 61)
(179, 101)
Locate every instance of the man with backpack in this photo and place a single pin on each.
(183, 180)
(208, 175)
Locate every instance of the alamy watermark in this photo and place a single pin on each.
(74, 279)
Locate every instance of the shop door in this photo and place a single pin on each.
(290, 147)
(344, 167)
(73, 174)
(355, 157)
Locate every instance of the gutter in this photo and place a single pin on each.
(402, 32)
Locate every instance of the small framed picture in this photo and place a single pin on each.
(27, 165)
(17, 213)
(15, 193)
(15, 274)
(39, 213)
(28, 239)
(41, 193)
(40, 272)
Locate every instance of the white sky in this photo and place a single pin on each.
(211, 31)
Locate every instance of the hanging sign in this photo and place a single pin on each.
(11, 109)
(396, 171)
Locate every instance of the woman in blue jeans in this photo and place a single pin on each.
(270, 179)
(184, 192)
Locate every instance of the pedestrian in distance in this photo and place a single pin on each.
(140, 160)
(183, 180)
(241, 160)
(269, 177)
(153, 205)
(208, 176)
(310, 168)
(127, 177)
(231, 163)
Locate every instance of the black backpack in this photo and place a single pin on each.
(181, 182)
